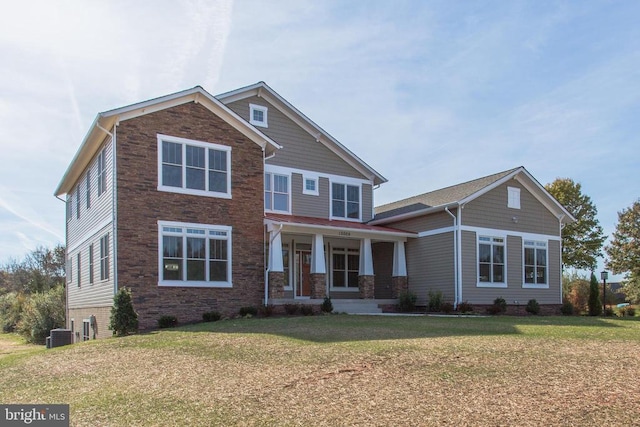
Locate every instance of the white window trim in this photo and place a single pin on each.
(513, 197)
(345, 218)
(546, 249)
(316, 180)
(191, 191)
(480, 284)
(288, 211)
(254, 107)
(345, 251)
(104, 270)
(193, 283)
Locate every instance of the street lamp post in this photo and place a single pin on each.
(604, 275)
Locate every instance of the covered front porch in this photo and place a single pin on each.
(311, 258)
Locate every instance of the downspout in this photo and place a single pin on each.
(459, 232)
(114, 204)
(560, 218)
(455, 257)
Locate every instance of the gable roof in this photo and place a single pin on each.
(262, 90)
(461, 194)
(104, 122)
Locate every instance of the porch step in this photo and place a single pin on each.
(355, 306)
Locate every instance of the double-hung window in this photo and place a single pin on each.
(345, 201)
(194, 167)
(79, 267)
(276, 192)
(91, 263)
(491, 261)
(78, 201)
(194, 255)
(535, 264)
(104, 257)
(102, 172)
(88, 188)
(345, 268)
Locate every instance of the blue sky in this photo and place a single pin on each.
(429, 93)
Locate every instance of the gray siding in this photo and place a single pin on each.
(367, 202)
(491, 211)
(434, 221)
(383, 268)
(300, 149)
(309, 205)
(430, 266)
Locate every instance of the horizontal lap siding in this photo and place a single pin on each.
(430, 266)
(309, 205)
(367, 202)
(434, 221)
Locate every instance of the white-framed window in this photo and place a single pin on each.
(535, 264)
(91, 264)
(104, 257)
(345, 267)
(88, 188)
(345, 201)
(310, 186)
(194, 167)
(78, 201)
(197, 255)
(276, 192)
(491, 261)
(258, 115)
(79, 267)
(513, 197)
(86, 329)
(102, 172)
(69, 206)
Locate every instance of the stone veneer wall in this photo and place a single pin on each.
(140, 206)
(366, 284)
(318, 285)
(399, 285)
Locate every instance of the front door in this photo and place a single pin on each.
(303, 279)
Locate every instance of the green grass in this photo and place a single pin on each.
(344, 370)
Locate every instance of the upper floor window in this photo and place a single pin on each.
(345, 201)
(194, 254)
(78, 201)
(535, 263)
(88, 188)
(102, 172)
(194, 167)
(491, 261)
(91, 263)
(104, 257)
(258, 115)
(310, 186)
(79, 267)
(513, 197)
(276, 192)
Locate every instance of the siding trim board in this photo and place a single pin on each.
(503, 233)
(284, 170)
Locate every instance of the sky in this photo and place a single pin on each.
(428, 93)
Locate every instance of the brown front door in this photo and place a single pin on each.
(303, 281)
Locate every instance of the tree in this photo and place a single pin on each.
(124, 319)
(581, 240)
(42, 269)
(595, 304)
(624, 250)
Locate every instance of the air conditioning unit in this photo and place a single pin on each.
(60, 337)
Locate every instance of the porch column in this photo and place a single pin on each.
(399, 280)
(318, 267)
(276, 265)
(366, 278)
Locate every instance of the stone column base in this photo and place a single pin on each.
(367, 287)
(276, 284)
(318, 285)
(399, 284)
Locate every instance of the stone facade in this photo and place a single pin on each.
(366, 284)
(101, 326)
(276, 284)
(399, 285)
(318, 285)
(140, 206)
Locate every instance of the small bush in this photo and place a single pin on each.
(124, 319)
(291, 309)
(465, 307)
(630, 311)
(501, 304)
(446, 307)
(533, 307)
(608, 312)
(407, 301)
(11, 306)
(211, 316)
(167, 321)
(494, 309)
(327, 306)
(42, 312)
(267, 310)
(567, 308)
(307, 310)
(435, 301)
(249, 310)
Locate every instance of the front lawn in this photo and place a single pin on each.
(345, 370)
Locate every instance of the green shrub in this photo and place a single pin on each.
(608, 312)
(124, 319)
(630, 311)
(307, 310)
(211, 316)
(291, 309)
(435, 301)
(595, 303)
(249, 310)
(167, 321)
(533, 307)
(567, 308)
(42, 312)
(407, 301)
(465, 307)
(501, 303)
(11, 306)
(327, 305)
(446, 307)
(267, 310)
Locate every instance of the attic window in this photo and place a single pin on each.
(513, 197)
(258, 115)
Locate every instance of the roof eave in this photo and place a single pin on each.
(413, 214)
